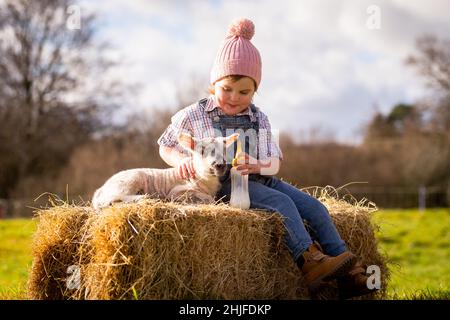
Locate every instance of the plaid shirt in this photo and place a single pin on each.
(198, 122)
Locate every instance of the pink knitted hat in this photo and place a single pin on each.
(237, 55)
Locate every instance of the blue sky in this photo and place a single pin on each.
(323, 67)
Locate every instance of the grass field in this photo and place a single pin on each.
(418, 247)
(417, 244)
(15, 256)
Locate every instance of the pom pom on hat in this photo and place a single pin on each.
(242, 28)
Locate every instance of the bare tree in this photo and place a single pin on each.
(433, 62)
(48, 72)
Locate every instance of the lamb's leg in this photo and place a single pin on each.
(199, 197)
(96, 199)
(185, 193)
(134, 198)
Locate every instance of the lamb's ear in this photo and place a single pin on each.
(186, 141)
(231, 139)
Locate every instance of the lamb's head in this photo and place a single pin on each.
(209, 154)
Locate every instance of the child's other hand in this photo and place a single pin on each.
(186, 169)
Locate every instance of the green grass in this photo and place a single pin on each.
(417, 244)
(15, 257)
(418, 247)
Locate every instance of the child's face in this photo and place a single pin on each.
(234, 97)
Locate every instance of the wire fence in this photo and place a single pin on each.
(396, 197)
(383, 197)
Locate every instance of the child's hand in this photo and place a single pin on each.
(246, 164)
(186, 169)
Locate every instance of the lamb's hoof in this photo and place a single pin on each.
(201, 201)
(134, 198)
(197, 198)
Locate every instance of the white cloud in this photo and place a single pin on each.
(321, 64)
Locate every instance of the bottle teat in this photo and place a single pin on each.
(238, 151)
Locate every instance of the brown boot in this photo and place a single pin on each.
(354, 283)
(318, 266)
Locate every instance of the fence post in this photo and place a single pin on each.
(422, 198)
(3, 208)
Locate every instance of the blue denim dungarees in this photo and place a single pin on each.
(274, 195)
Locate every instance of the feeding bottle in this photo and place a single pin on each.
(239, 185)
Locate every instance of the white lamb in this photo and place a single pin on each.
(135, 184)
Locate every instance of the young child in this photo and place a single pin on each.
(235, 77)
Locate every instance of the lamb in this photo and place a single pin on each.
(135, 184)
